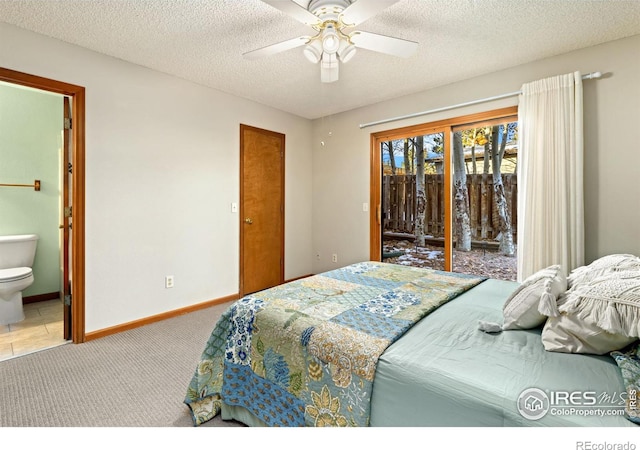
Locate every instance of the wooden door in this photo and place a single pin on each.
(261, 209)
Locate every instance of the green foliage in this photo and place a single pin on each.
(260, 347)
(295, 383)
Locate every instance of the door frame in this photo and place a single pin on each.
(282, 138)
(77, 95)
(375, 196)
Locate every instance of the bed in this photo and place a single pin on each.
(378, 344)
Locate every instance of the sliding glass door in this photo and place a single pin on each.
(413, 201)
(485, 187)
(447, 195)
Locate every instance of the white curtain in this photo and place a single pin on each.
(550, 175)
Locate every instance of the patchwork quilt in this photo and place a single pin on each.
(305, 353)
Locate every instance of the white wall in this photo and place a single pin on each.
(162, 169)
(612, 160)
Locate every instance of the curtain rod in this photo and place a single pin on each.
(589, 76)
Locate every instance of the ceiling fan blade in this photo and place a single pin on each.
(277, 48)
(383, 44)
(294, 10)
(361, 10)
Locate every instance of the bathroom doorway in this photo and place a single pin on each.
(71, 196)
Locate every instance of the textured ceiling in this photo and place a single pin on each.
(203, 41)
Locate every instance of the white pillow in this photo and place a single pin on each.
(535, 299)
(611, 301)
(602, 266)
(567, 333)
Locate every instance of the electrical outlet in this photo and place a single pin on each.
(334, 257)
(168, 281)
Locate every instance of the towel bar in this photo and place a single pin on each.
(35, 185)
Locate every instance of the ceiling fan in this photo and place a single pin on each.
(334, 40)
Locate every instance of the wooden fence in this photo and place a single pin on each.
(399, 204)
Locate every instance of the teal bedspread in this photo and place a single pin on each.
(305, 353)
(444, 372)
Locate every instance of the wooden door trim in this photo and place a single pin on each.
(375, 182)
(77, 94)
(282, 138)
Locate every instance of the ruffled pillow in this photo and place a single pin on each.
(568, 333)
(610, 301)
(602, 266)
(601, 311)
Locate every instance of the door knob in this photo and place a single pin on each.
(249, 221)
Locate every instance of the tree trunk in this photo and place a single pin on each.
(407, 160)
(392, 159)
(421, 197)
(473, 152)
(487, 157)
(460, 196)
(500, 199)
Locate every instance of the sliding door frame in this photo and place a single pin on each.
(442, 126)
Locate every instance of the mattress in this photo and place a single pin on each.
(446, 372)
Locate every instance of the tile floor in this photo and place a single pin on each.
(42, 328)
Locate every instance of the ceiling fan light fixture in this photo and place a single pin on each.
(346, 51)
(329, 69)
(330, 40)
(313, 51)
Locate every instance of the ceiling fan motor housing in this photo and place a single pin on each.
(328, 9)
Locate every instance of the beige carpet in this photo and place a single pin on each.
(136, 378)
(129, 388)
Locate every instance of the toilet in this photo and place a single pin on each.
(17, 254)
